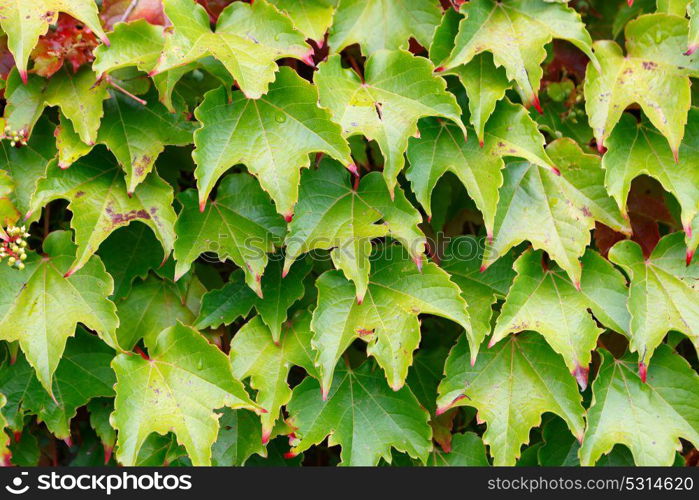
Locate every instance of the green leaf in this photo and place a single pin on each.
(238, 438)
(554, 212)
(248, 40)
(24, 22)
(31, 313)
(78, 95)
(273, 136)
(480, 288)
(26, 165)
(653, 69)
(636, 149)
(441, 147)
(267, 364)
(332, 214)
(397, 90)
(156, 304)
(235, 300)
(177, 390)
(137, 43)
(467, 451)
(82, 374)
(648, 417)
(543, 299)
(661, 296)
(98, 199)
(511, 385)
(310, 17)
(516, 32)
(126, 262)
(355, 21)
(380, 419)
(240, 225)
(485, 85)
(387, 318)
(135, 133)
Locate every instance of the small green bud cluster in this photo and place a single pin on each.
(15, 248)
(17, 137)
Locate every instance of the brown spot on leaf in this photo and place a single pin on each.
(649, 65)
(127, 217)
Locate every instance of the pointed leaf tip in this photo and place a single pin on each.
(266, 435)
(537, 104)
(581, 374)
(643, 371)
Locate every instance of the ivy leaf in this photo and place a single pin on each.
(78, 95)
(485, 83)
(156, 304)
(511, 385)
(441, 148)
(273, 136)
(332, 214)
(136, 134)
(387, 319)
(30, 313)
(248, 40)
(237, 438)
(485, 86)
(649, 417)
(481, 289)
(516, 32)
(25, 22)
(355, 22)
(546, 301)
(381, 418)
(241, 225)
(398, 89)
(653, 68)
(254, 355)
(235, 300)
(310, 17)
(137, 43)
(98, 198)
(660, 299)
(82, 374)
(636, 149)
(129, 253)
(554, 212)
(467, 450)
(26, 165)
(177, 390)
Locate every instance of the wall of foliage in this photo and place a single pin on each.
(349, 232)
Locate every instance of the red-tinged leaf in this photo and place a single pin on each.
(70, 43)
